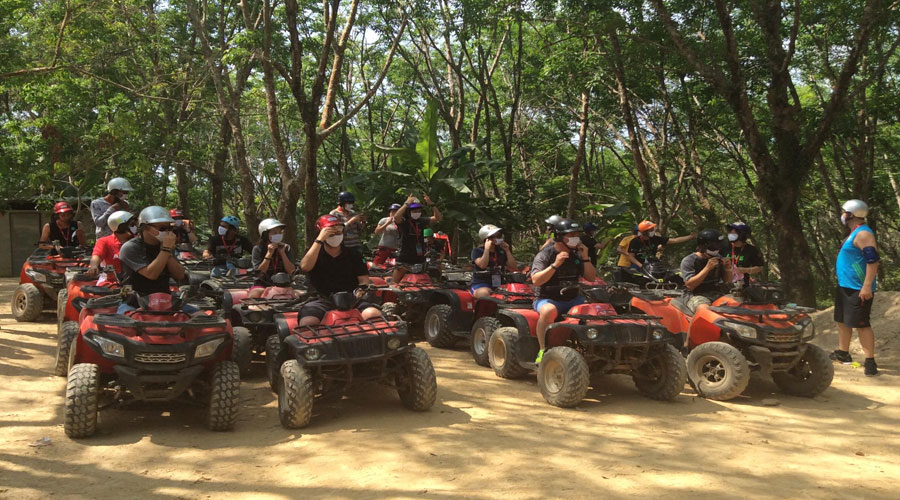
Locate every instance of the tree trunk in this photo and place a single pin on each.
(579, 156)
(311, 203)
(217, 179)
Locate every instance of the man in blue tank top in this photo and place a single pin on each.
(856, 268)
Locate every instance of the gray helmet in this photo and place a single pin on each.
(487, 231)
(552, 220)
(118, 218)
(858, 208)
(119, 183)
(153, 215)
(268, 224)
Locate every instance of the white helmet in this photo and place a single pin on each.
(856, 207)
(154, 214)
(119, 183)
(118, 218)
(268, 224)
(487, 231)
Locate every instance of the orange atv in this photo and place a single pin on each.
(749, 330)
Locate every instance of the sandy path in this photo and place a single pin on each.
(485, 438)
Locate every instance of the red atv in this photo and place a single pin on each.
(748, 331)
(412, 296)
(591, 339)
(323, 360)
(456, 314)
(72, 299)
(254, 318)
(155, 353)
(42, 277)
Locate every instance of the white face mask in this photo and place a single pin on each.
(133, 229)
(163, 234)
(844, 219)
(335, 240)
(415, 215)
(348, 206)
(712, 253)
(276, 238)
(179, 223)
(124, 197)
(498, 241)
(732, 237)
(222, 231)
(573, 241)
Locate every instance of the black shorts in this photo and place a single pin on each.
(319, 307)
(850, 310)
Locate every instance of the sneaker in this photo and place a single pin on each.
(841, 356)
(871, 367)
(539, 357)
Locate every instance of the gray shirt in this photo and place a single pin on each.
(100, 212)
(352, 232)
(390, 238)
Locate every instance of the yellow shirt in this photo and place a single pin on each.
(623, 245)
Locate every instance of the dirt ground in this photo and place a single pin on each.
(485, 438)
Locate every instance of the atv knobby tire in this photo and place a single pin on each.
(61, 298)
(295, 395)
(663, 376)
(64, 341)
(224, 396)
(390, 310)
(417, 384)
(718, 370)
(27, 303)
(503, 355)
(809, 377)
(481, 335)
(437, 326)
(273, 369)
(82, 393)
(242, 350)
(563, 377)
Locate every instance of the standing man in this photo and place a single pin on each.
(412, 233)
(390, 236)
(856, 268)
(116, 199)
(352, 221)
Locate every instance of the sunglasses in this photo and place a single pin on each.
(163, 228)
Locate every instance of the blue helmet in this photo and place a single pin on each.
(232, 221)
(346, 197)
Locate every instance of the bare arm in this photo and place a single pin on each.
(176, 270)
(45, 238)
(312, 255)
(482, 261)
(156, 267)
(381, 227)
(681, 239)
(866, 239)
(697, 279)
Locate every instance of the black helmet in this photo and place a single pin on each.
(708, 238)
(346, 197)
(741, 228)
(566, 226)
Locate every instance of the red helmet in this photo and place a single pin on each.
(645, 226)
(176, 213)
(61, 207)
(327, 220)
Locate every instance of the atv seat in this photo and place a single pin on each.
(681, 305)
(98, 290)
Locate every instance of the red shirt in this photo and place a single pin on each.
(107, 248)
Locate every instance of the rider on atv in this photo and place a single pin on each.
(412, 233)
(107, 248)
(148, 261)
(745, 258)
(551, 223)
(62, 228)
(390, 236)
(704, 271)
(490, 260)
(332, 268)
(227, 243)
(115, 200)
(643, 246)
(184, 229)
(553, 269)
(270, 256)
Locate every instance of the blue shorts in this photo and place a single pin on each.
(562, 307)
(476, 286)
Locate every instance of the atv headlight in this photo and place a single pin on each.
(109, 347)
(255, 316)
(207, 348)
(312, 353)
(745, 331)
(658, 334)
(809, 331)
(36, 276)
(393, 343)
(592, 333)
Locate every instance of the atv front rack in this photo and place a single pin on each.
(790, 314)
(335, 331)
(169, 327)
(610, 317)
